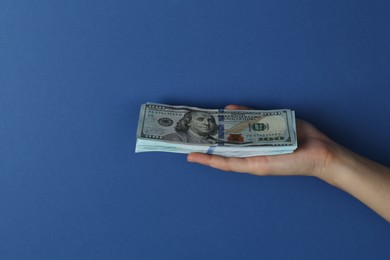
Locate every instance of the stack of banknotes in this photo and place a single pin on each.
(229, 133)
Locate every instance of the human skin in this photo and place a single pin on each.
(318, 156)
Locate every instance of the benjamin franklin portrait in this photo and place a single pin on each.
(194, 127)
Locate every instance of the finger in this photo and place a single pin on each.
(236, 107)
(286, 164)
(259, 166)
(215, 161)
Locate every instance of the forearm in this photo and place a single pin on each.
(364, 179)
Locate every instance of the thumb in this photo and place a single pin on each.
(236, 107)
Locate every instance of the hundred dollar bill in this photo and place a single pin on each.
(232, 133)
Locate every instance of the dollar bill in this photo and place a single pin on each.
(231, 133)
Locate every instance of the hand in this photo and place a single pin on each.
(317, 156)
(311, 158)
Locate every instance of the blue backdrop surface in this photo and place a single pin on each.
(73, 75)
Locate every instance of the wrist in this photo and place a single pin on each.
(338, 162)
(364, 179)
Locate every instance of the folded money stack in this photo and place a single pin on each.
(229, 133)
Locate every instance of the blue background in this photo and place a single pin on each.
(73, 75)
